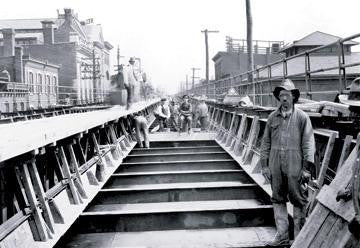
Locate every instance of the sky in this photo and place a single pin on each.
(167, 36)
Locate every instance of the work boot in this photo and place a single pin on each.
(282, 226)
(147, 144)
(299, 219)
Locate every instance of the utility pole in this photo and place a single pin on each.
(118, 59)
(193, 76)
(207, 55)
(187, 84)
(250, 63)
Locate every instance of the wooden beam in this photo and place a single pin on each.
(100, 165)
(345, 151)
(41, 195)
(36, 212)
(68, 177)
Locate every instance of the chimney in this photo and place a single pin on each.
(69, 13)
(48, 32)
(9, 42)
(19, 69)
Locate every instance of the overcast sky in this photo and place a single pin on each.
(167, 36)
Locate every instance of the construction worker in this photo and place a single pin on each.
(174, 114)
(141, 129)
(185, 114)
(353, 98)
(131, 83)
(202, 113)
(162, 114)
(287, 155)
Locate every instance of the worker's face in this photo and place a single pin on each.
(286, 99)
(186, 99)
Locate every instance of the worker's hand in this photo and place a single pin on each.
(305, 177)
(344, 194)
(265, 171)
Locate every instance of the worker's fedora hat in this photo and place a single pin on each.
(184, 96)
(353, 98)
(132, 59)
(287, 84)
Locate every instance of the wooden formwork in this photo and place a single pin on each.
(44, 190)
(325, 227)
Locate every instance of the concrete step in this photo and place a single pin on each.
(218, 164)
(241, 237)
(165, 150)
(183, 143)
(175, 215)
(181, 192)
(176, 157)
(122, 179)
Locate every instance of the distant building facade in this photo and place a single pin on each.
(31, 83)
(77, 47)
(322, 81)
(234, 60)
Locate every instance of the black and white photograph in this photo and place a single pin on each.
(180, 124)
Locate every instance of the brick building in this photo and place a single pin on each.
(233, 61)
(77, 47)
(31, 83)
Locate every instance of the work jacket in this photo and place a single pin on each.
(288, 140)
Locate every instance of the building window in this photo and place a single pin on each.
(7, 107)
(31, 82)
(22, 106)
(48, 83)
(54, 84)
(39, 83)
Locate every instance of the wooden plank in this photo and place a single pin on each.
(100, 166)
(67, 176)
(231, 131)
(115, 141)
(73, 162)
(126, 140)
(326, 160)
(327, 197)
(254, 133)
(324, 230)
(41, 196)
(345, 151)
(339, 229)
(311, 227)
(241, 133)
(36, 213)
(56, 213)
(227, 132)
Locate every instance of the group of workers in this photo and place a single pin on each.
(181, 115)
(286, 155)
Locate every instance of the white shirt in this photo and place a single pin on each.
(164, 114)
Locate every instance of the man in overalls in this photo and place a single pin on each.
(287, 154)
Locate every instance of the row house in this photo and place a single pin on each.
(77, 47)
